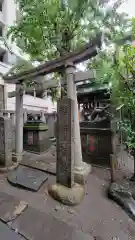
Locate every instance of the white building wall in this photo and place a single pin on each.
(4, 68)
(33, 103)
(30, 102)
(9, 12)
(7, 18)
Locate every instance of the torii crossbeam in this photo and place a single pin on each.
(89, 50)
(53, 83)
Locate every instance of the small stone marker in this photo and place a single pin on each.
(65, 144)
(5, 142)
(65, 190)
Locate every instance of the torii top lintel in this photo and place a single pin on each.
(88, 51)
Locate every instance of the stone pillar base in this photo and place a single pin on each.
(81, 173)
(17, 157)
(67, 196)
(9, 168)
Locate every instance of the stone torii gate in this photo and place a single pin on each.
(81, 169)
(54, 83)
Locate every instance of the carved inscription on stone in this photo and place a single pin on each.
(65, 153)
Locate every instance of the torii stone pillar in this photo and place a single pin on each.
(2, 96)
(19, 123)
(25, 115)
(81, 169)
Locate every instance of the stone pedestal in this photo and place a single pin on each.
(81, 173)
(17, 158)
(68, 196)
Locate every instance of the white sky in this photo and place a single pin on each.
(129, 7)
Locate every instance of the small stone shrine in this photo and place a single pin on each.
(65, 190)
(34, 138)
(95, 127)
(5, 142)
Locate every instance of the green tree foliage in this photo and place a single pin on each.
(117, 66)
(49, 28)
(21, 66)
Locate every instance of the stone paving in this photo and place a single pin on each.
(96, 215)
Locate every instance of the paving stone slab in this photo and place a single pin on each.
(7, 234)
(10, 207)
(27, 177)
(44, 163)
(35, 225)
